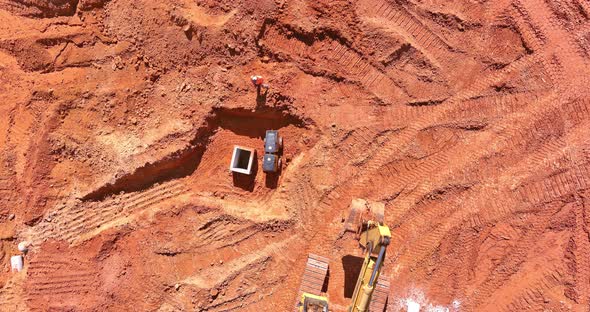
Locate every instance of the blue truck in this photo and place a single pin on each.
(273, 145)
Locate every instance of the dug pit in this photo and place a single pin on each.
(242, 160)
(203, 165)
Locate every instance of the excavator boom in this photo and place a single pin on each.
(374, 240)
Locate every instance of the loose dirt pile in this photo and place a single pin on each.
(468, 119)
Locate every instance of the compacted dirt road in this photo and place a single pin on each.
(469, 120)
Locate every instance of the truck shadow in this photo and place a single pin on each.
(272, 180)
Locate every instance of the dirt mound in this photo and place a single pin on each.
(467, 120)
(40, 8)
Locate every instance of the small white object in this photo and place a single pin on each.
(16, 262)
(242, 160)
(413, 306)
(23, 246)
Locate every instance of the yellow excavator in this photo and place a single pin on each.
(374, 237)
(374, 240)
(313, 303)
(310, 299)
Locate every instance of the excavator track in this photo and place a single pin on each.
(379, 298)
(313, 278)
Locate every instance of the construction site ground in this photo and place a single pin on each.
(469, 120)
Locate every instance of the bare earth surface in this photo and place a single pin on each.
(469, 119)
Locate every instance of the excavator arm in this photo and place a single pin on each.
(374, 240)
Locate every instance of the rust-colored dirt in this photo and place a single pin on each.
(470, 120)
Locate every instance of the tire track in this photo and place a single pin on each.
(45, 265)
(329, 54)
(356, 140)
(48, 276)
(577, 112)
(62, 284)
(435, 48)
(581, 252)
(489, 79)
(512, 198)
(212, 277)
(496, 106)
(468, 211)
(512, 261)
(560, 57)
(536, 41)
(389, 150)
(424, 38)
(151, 295)
(556, 186)
(223, 232)
(75, 222)
(495, 9)
(543, 18)
(7, 296)
(133, 204)
(306, 199)
(20, 135)
(166, 299)
(532, 297)
(406, 173)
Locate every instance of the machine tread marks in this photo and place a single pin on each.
(581, 252)
(312, 281)
(418, 34)
(561, 186)
(532, 296)
(388, 150)
(512, 258)
(359, 139)
(329, 52)
(45, 278)
(305, 196)
(380, 295)
(547, 40)
(577, 112)
(413, 27)
(74, 221)
(224, 233)
(494, 106)
(553, 30)
(384, 155)
(130, 205)
(556, 186)
(7, 295)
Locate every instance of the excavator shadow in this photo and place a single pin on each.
(352, 266)
(272, 180)
(326, 282)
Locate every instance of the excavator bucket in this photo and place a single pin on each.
(379, 297)
(360, 212)
(313, 278)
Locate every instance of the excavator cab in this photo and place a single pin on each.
(313, 303)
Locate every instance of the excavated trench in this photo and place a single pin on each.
(184, 162)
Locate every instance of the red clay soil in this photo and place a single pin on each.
(469, 120)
